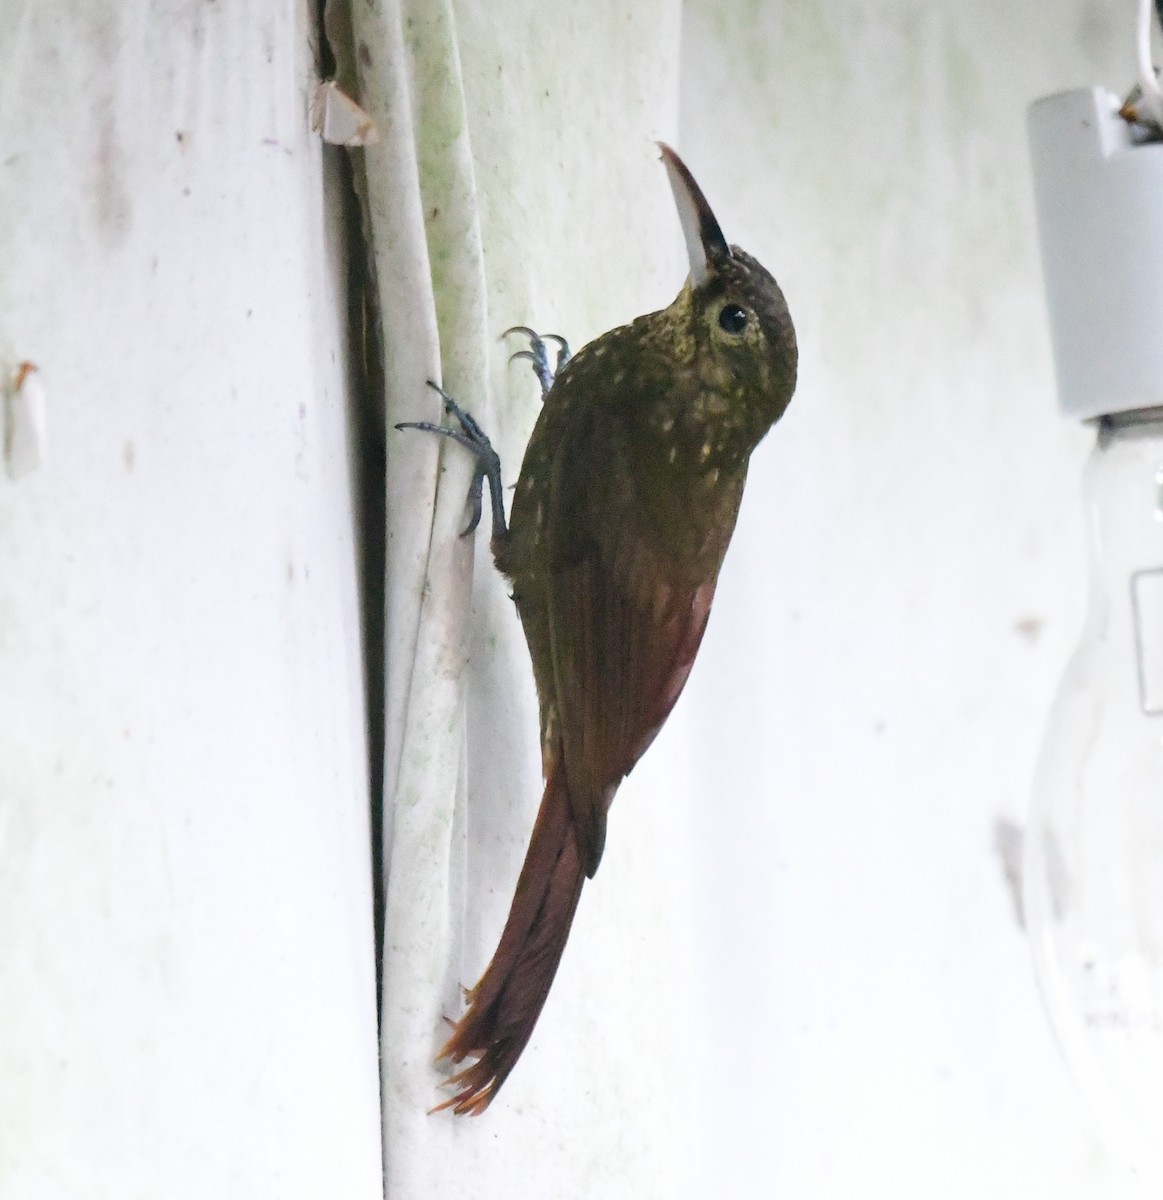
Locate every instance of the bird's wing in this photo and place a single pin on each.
(624, 632)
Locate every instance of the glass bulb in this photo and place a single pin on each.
(1094, 845)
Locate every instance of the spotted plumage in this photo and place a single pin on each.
(626, 501)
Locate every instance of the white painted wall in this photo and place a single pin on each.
(186, 1002)
(904, 588)
(187, 993)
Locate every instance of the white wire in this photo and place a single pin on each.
(1150, 101)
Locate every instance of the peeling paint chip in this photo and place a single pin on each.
(25, 431)
(337, 118)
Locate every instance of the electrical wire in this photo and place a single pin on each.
(1148, 105)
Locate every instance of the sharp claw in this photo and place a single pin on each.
(475, 498)
(563, 350)
(488, 466)
(449, 402)
(427, 426)
(450, 405)
(538, 355)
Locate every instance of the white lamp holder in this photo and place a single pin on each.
(1098, 187)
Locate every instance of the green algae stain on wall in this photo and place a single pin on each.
(446, 175)
(963, 89)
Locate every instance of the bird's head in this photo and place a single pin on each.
(745, 343)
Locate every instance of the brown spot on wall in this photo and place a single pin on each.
(1029, 628)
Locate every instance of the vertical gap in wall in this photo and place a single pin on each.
(371, 480)
(372, 484)
(367, 454)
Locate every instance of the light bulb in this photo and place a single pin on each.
(1093, 866)
(1093, 869)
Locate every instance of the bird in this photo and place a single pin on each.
(625, 504)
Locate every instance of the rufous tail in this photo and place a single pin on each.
(505, 1004)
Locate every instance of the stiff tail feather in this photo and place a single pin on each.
(505, 1004)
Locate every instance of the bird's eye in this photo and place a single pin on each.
(732, 318)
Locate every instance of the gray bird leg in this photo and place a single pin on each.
(488, 464)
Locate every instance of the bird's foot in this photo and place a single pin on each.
(538, 354)
(488, 465)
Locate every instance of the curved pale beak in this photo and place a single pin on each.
(705, 244)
